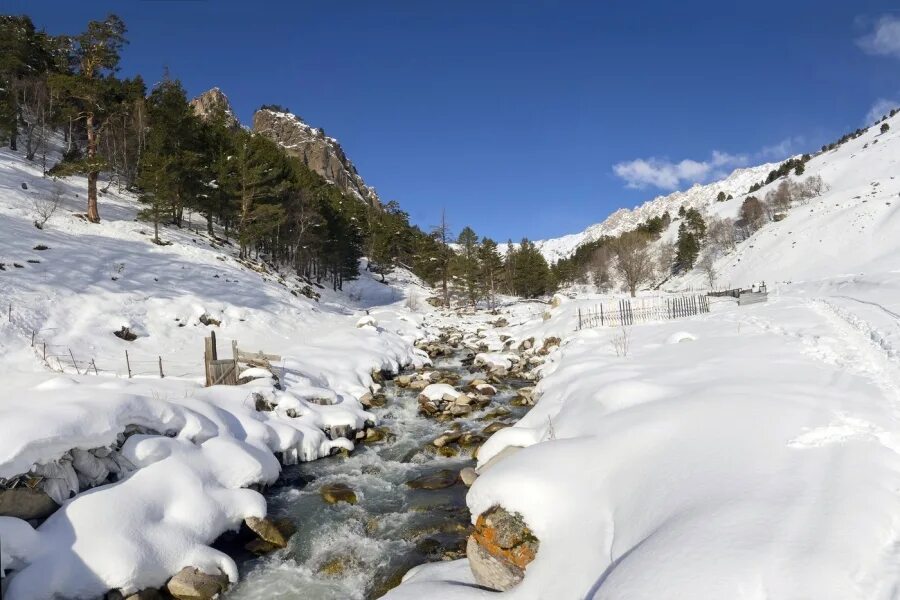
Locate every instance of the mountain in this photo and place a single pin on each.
(624, 219)
(322, 154)
(211, 100)
(319, 152)
(851, 227)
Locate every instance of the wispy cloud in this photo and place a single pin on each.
(785, 148)
(884, 37)
(667, 175)
(880, 108)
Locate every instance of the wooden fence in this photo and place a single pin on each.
(642, 310)
(225, 371)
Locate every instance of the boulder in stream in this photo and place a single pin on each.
(191, 583)
(434, 481)
(333, 493)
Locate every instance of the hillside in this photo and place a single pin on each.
(71, 383)
(624, 219)
(853, 227)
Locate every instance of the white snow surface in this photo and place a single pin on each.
(752, 452)
(175, 494)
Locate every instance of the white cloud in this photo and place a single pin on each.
(884, 39)
(880, 108)
(664, 174)
(783, 149)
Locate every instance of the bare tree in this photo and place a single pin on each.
(812, 187)
(753, 214)
(779, 199)
(45, 206)
(665, 259)
(599, 266)
(635, 262)
(707, 266)
(720, 234)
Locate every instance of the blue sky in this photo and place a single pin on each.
(527, 118)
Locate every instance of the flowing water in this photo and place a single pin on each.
(344, 551)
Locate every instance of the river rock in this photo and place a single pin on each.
(25, 503)
(419, 384)
(468, 476)
(191, 583)
(276, 533)
(494, 427)
(435, 481)
(378, 434)
(500, 548)
(333, 493)
(448, 437)
(458, 410)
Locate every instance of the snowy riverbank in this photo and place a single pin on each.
(750, 452)
(150, 471)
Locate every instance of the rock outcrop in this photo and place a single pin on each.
(209, 102)
(319, 152)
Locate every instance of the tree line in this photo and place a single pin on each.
(150, 142)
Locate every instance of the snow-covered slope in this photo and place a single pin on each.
(624, 219)
(73, 391)
(854, 227)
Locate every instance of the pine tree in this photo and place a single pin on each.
(531, 275)
(170, 170)
(262, 176)
(93, 96)
(466, 265)
(491, 264)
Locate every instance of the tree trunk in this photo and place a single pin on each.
(93, 214)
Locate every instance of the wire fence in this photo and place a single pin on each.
(641, 310)
(64, 358)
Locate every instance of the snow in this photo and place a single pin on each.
(436, 391)
(622, 220)
(495, 360)
(149, 470)
(751, 452)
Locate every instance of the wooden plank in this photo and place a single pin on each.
(244, 356)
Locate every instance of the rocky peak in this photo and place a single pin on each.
(319, 152)
(211, 101)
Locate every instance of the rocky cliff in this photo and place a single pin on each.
(319, 152)
(212, 100)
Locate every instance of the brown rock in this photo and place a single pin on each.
(333, 493)
(435, 481)
(193, 584)
(500, 548)
(26, 503)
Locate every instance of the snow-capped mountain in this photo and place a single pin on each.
(624, 219)
(853, 226)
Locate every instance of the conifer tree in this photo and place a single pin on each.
(491, 264)
(93, 96)
(466, 267)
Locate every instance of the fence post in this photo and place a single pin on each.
(579, 319)
(161, 374)
(74, 364)
(32, 338)
(128, 364)
(601, 316)
(93, 364)
(45, 351)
